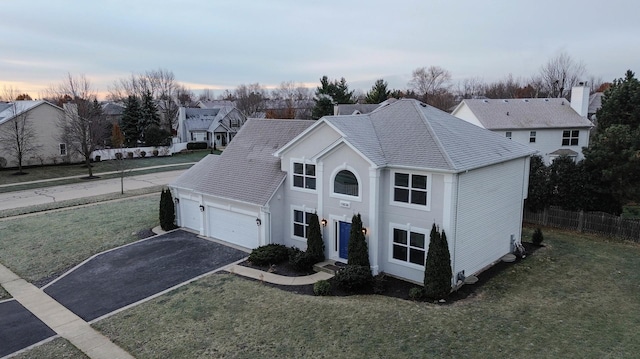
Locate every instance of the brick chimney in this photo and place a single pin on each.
(580, 99)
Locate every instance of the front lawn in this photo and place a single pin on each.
(577, 298)
(57, 348)
(43, 246)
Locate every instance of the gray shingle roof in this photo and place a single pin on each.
(246, 171)
(532, 113)
(595, 102)
(350, 109)
(412, 134)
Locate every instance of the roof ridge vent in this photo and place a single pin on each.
(505, 100)
(525, 100)
(485, 101)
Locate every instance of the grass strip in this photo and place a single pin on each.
(57, 348)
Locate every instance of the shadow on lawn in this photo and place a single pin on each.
(391, 286)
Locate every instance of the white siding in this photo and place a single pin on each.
(489, 206)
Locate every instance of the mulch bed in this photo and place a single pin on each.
(394, 287)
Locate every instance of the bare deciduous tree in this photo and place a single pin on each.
(472, 87)
(250, 98)
(560, 74)
(290, 100)
(83, 126)
(428, 81)
(17, 135)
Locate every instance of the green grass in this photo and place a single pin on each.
(631, 212)
(50, 172)
(57, 348)
(4, 294)
(45, 245)
(579, 297)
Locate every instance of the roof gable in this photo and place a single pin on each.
(531, 113)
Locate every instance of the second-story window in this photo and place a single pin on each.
(304, 175)
(570, 137)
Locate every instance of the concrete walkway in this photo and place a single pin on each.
(60, 319)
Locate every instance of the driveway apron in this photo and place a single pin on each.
(115, 279)
(19, 328)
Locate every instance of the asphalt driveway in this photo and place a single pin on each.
(19, 328)
(128, 274)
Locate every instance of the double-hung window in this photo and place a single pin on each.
(570, 137)
(304, 175)
(63, 149)
(410, 188)
(532, 136)
(301, 221)
(409, 246)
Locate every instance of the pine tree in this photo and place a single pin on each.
(437, 272)
(150, 117)
(130, 122)
(358, 251)
(315, 245)
(330, 93)
(378, 93)
(167, 211)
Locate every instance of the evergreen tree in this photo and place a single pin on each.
(150, 116)
(378, 93)
(358, 251)
(539, 193)
(130, 122)
(315, 245)
(167, 211)
(612, 159)
(567, 181)
(330, 93)
(437, 271)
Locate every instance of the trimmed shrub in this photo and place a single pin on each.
(537, 237)
(300, 260)
(322, 287)
(416, 293)
(118, 155)
(437, 272)
(130, 154)
(354, 277)
(167, 211)
(315, 245)
(269, 254)
(197, 146)
(155, 153)
(143, 154)
(358, 251)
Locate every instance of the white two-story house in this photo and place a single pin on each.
(403, 167)
(552, 126)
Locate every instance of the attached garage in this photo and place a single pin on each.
(190, 215)
(232, 227)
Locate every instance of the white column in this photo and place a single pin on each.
(374, 229)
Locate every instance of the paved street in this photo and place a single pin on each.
(83, 189)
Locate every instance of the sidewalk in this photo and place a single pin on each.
(95, 174)
(60, 319)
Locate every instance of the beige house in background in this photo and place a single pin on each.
(42, 116)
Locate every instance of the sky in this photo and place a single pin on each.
(220, 44)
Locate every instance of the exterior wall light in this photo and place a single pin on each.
(201, 208)
(324, 222)
(258, 221)
(364, 231)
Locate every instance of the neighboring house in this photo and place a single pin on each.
(403, 167)
(212, 125)
(595, 102)
(552, 126)
(43, 117)
(113, 112)
(358, 108)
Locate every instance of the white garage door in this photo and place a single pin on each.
(190, 215)
(231, 227)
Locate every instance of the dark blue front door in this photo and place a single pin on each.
(344, 231)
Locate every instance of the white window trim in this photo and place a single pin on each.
(335, 172)
(292, 221)
(508, 134)
(533, 135)
(66, 151)
(304, 161)
(392, 183)
(570, 137)
(408, 228)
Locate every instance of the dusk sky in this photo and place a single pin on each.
(221, 44)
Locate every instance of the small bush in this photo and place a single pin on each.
(118, 155)
(537, 237)
(416, 293)
(322, 287)
(300, 260)
(197, 146)
(155, 153)
(129, 154)
(354, 277)
(143, 154)
(269, 254)
(97, 158)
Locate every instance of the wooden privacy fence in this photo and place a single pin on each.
(589, 222)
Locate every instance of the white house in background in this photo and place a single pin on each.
(403, 167)
(212, 125)
(552, 126)
(43, 117)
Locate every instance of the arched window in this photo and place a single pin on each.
(345, 183)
